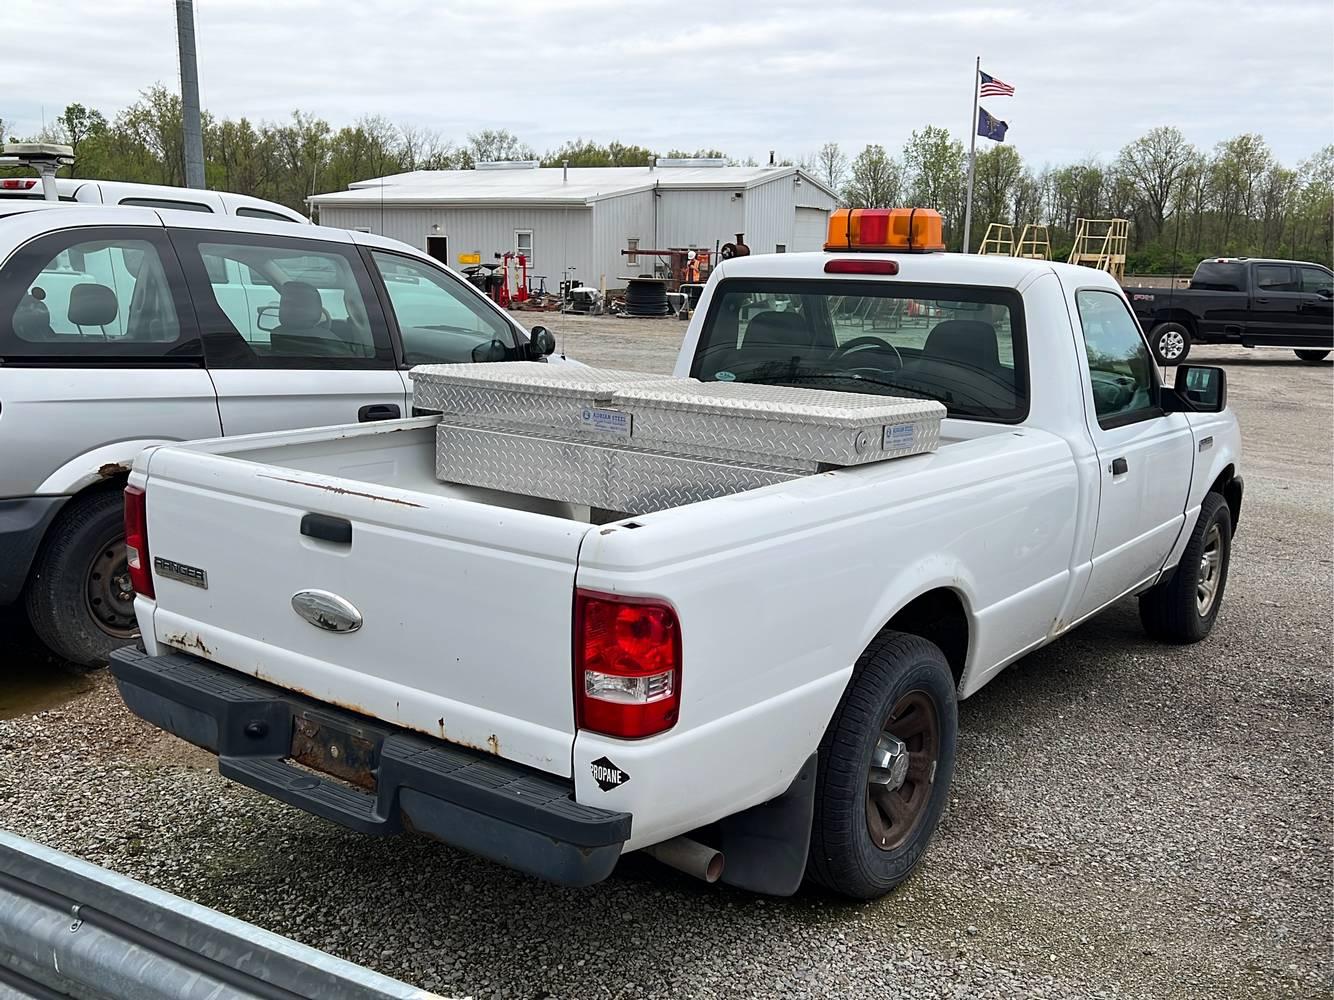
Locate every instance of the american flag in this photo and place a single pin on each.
(991, 87)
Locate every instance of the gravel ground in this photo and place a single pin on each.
(1129, 820)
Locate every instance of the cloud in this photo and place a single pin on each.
(743, 77)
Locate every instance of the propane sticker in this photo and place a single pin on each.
(607, 774)
(605, 421)
(898, 436)
(725, 376)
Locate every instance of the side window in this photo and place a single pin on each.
(114, 295)
(1274, 278)
(440, 320)
(1120, 366)
(269, 302)
(166, 203)
(1313, 279)
(246, 212)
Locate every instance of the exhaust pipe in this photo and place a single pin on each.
(689, 856)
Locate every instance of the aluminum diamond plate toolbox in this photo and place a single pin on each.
(528, 393)
(786, 423)
(598, 472)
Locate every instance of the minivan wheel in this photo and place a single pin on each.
(1170, 343)
(80, 602)
(1313, 357)
(884, 768)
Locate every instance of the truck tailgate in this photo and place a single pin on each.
(465, 609)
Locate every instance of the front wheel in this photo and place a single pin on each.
(1183, 607)
(1313, 357)
(79, 597)
(884, 768)
(1170, 343)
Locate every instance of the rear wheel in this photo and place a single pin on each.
(1170, 343)
(1313, 357)
(80, 601)
(884, 769)
(1183, 607)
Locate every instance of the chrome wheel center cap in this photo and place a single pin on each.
(889, 762)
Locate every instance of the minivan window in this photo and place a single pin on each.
(166, 203)
(264, 301)
(963, 346)
(114, 292)
(246, 212)
(440, 319)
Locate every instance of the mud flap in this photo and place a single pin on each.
(766, 846)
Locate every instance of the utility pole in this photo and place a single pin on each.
(194, 139)
(972, 157)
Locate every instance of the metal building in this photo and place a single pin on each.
(576, 221)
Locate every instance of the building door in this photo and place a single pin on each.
(438, 247)
(809, 232)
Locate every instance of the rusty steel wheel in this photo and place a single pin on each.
(883, 768)
(902, 771)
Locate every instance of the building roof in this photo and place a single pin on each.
(549, 185)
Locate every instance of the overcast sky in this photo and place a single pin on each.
(744, 77)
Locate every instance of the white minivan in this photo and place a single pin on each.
(122, 328)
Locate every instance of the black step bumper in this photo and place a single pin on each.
(496, 809)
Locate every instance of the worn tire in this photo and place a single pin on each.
(842, 856)
(1169, 610)
(1312, 357)
(57, 590)
(1170, 343)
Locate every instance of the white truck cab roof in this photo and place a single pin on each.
(28, 192)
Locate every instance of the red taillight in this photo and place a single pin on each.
(18, 183)
(861, 267)
(136, 540)
(627, 665)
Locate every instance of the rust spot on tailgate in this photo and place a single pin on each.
(191, 642)
(112, 469)
(341, 491)
(494, 744)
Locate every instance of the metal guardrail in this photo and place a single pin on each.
(69, 929)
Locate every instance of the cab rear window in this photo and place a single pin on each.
(963, 346)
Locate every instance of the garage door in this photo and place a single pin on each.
(812, 225)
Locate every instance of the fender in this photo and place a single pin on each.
(1217, 446)
(107, 462)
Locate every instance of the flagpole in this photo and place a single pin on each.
(972, 157)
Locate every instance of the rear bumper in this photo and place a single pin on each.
(466, 798)
(23, 524)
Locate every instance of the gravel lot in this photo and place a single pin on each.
(1129, 820)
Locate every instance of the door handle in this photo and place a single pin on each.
(1120, 467)
(327, 528)
(378, 411)
(1262, 301)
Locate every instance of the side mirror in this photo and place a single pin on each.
(1325, 293)
(541, 342)
(1200, 389)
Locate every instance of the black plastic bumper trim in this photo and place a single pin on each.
(492, 807)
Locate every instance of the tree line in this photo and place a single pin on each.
(1184, 203)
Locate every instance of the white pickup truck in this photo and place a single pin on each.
(761, 685)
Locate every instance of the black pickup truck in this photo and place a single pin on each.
(1241, 300)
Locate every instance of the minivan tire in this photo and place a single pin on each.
(1312, 357)
(844, 857)
(81, 565)
(1170, 343)
(1171, 610)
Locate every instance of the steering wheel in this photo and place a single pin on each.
(868, 344)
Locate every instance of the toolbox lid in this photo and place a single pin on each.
(821, 407)
(537, 377)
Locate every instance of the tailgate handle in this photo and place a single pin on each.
(329, 529)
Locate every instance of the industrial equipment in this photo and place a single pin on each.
(1101, 243)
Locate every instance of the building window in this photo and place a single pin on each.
(523, 244)
(780, 248)
(632, 244)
